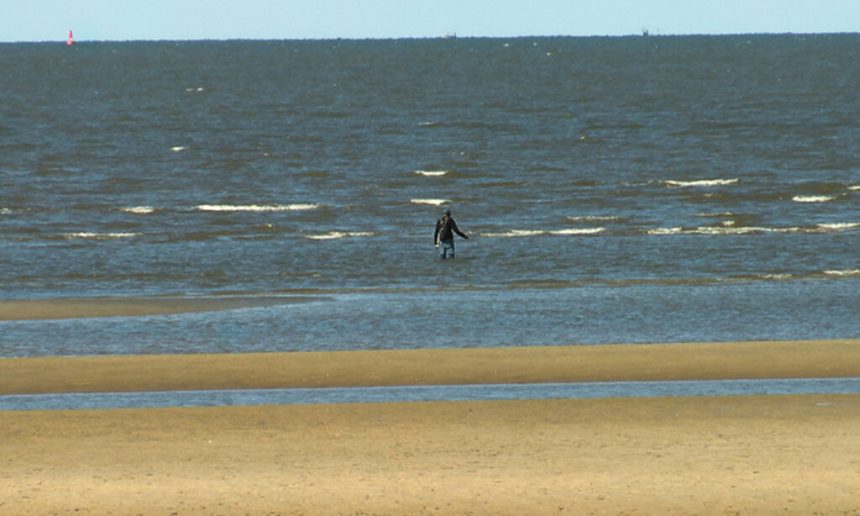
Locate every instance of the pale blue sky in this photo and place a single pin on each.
(46, 20)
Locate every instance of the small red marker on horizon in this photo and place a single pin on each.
(71, 40)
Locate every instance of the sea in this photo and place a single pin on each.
(614, 190)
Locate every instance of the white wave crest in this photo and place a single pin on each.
(719, 230)
(839, 226)
(738, 230)
(728, 228)
(334, 235)
(139, 210)
(430, 202)
(256, 207)
(854, 188)
(777, 276)
(594, 218)
(5, 211)
(431, 173)
(701, 182)
(178, 148)
(717, 215)
(848, 272)
(576, 231)
(518, 233)
(85, 235)
(513, 233)
(665, 231)
(812, 198)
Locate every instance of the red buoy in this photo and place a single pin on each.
(71, 40)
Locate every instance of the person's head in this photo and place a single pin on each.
(447, 212)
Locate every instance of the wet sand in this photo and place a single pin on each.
(703, 361)
(734, 455)
(40, 309)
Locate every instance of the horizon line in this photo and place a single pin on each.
(452, 36)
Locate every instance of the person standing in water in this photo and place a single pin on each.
(444, 235)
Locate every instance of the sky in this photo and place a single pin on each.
(50, 20)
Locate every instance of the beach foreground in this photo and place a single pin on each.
(702, 455)
(749, 455)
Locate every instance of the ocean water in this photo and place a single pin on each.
(588, 390)
(657, 189)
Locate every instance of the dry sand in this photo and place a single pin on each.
(720, 455)
(744, 455)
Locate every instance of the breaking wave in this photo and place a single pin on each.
(139, 210)
(700, 183)
(595, 218)
(334, 235)
(729, 229)
(516, 233)
(256, 207)
(842, 273)
(430, 202)
(839, 226)
(812, 198)
(85, 235)
(431, 173)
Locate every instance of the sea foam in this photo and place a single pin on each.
(139, 210)
(256, 207)
(728, 228)
(576, 231)
(85, 235)
(431, 173)
(719, 230)
(839, 226)
(430, 202)
(516, 233)
(594, 218)
(812, 198)
(334, 235)
(847, 272)
(701, 182)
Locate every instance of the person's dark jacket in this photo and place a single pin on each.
(445, 229)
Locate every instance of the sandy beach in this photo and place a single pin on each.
(744, 455)
(718, 455)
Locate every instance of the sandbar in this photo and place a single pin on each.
(58, 308)
(539, 364)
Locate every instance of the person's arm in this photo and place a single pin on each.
(436, 233)
(457, 230)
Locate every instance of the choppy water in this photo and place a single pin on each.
(616, 190)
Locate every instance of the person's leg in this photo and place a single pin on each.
(446, 249)
(450, 249)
